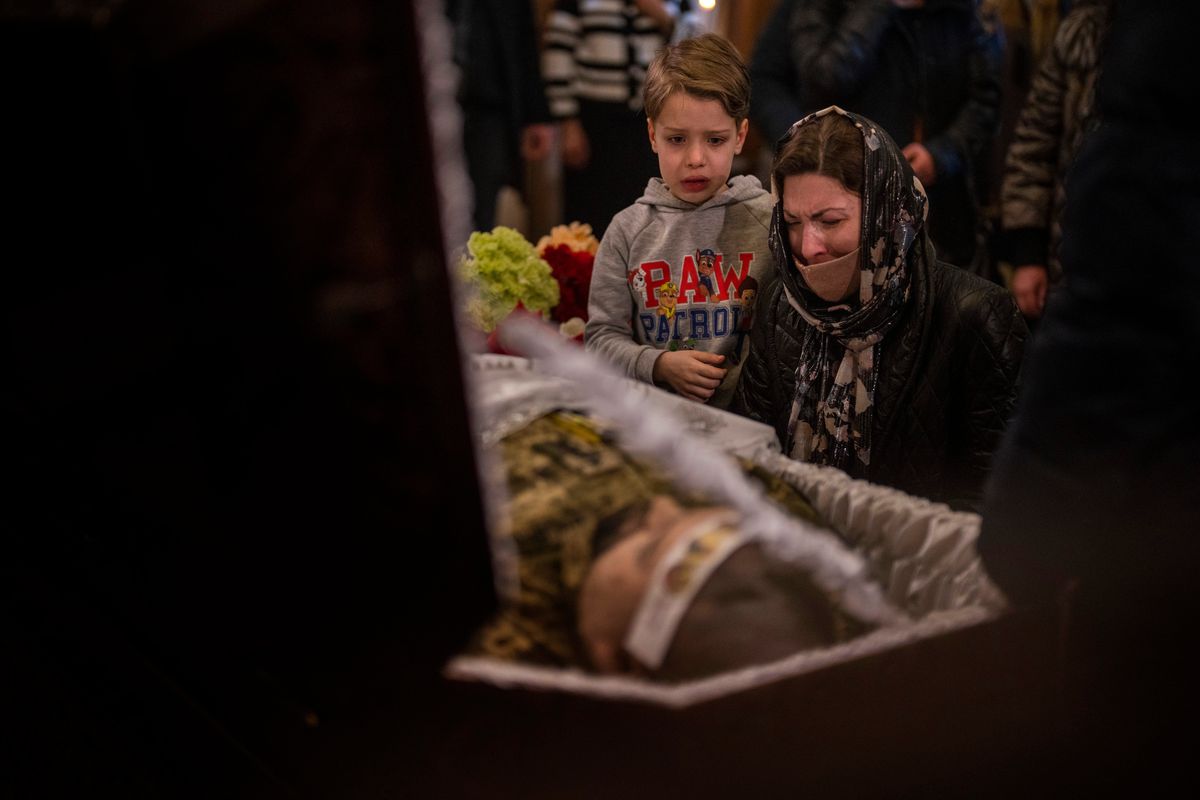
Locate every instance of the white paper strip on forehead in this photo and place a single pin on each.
(677, 578)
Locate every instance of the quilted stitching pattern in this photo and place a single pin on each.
(947, 384)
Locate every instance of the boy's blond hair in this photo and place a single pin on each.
(708, 67)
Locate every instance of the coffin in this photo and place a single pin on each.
(961, 696)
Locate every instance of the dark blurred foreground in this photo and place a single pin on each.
(1099, 482)
(242, 524)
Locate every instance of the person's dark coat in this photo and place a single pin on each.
(500, 91)
(947, 382)
(1096, 487)
(930, 75)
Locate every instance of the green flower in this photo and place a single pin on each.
(504, 268)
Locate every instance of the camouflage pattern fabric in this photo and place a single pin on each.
(566, 478)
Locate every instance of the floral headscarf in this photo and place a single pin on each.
(830, 419)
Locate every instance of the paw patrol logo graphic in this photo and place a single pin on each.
(703, 278)
(708, 301)
(668, 293)
(637, 281)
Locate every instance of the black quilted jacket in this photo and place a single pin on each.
(948, 379)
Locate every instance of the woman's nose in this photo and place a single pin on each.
(812, 245)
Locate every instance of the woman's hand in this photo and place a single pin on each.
(694, 374)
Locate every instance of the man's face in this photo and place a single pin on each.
(743, 614)
(619, 578)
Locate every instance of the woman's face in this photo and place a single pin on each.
(823, 217)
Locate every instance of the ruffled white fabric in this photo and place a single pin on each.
(922, 552)
(509, 394)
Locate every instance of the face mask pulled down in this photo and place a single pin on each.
(832, 281)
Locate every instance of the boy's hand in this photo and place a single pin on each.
(694, 374)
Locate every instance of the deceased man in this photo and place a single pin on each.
(640, 534)
(615, 562)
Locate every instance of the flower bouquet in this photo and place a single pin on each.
(570, 250)
(509, 275)
(505, 269)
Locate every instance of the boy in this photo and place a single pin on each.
(666, 296)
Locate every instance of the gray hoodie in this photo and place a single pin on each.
(656, 248)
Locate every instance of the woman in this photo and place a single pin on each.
(869, 354)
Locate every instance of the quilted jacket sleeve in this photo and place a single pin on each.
(994, 332)
(1031, 166)
(758, 391)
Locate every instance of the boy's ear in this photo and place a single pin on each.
(743, 127)
(650, 131)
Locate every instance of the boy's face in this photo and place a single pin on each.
(695, 141)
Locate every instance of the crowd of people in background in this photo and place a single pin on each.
(919, 170)
(988, 100)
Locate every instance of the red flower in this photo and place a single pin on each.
(572, 269)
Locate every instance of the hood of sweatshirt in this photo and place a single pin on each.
(738, 189)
